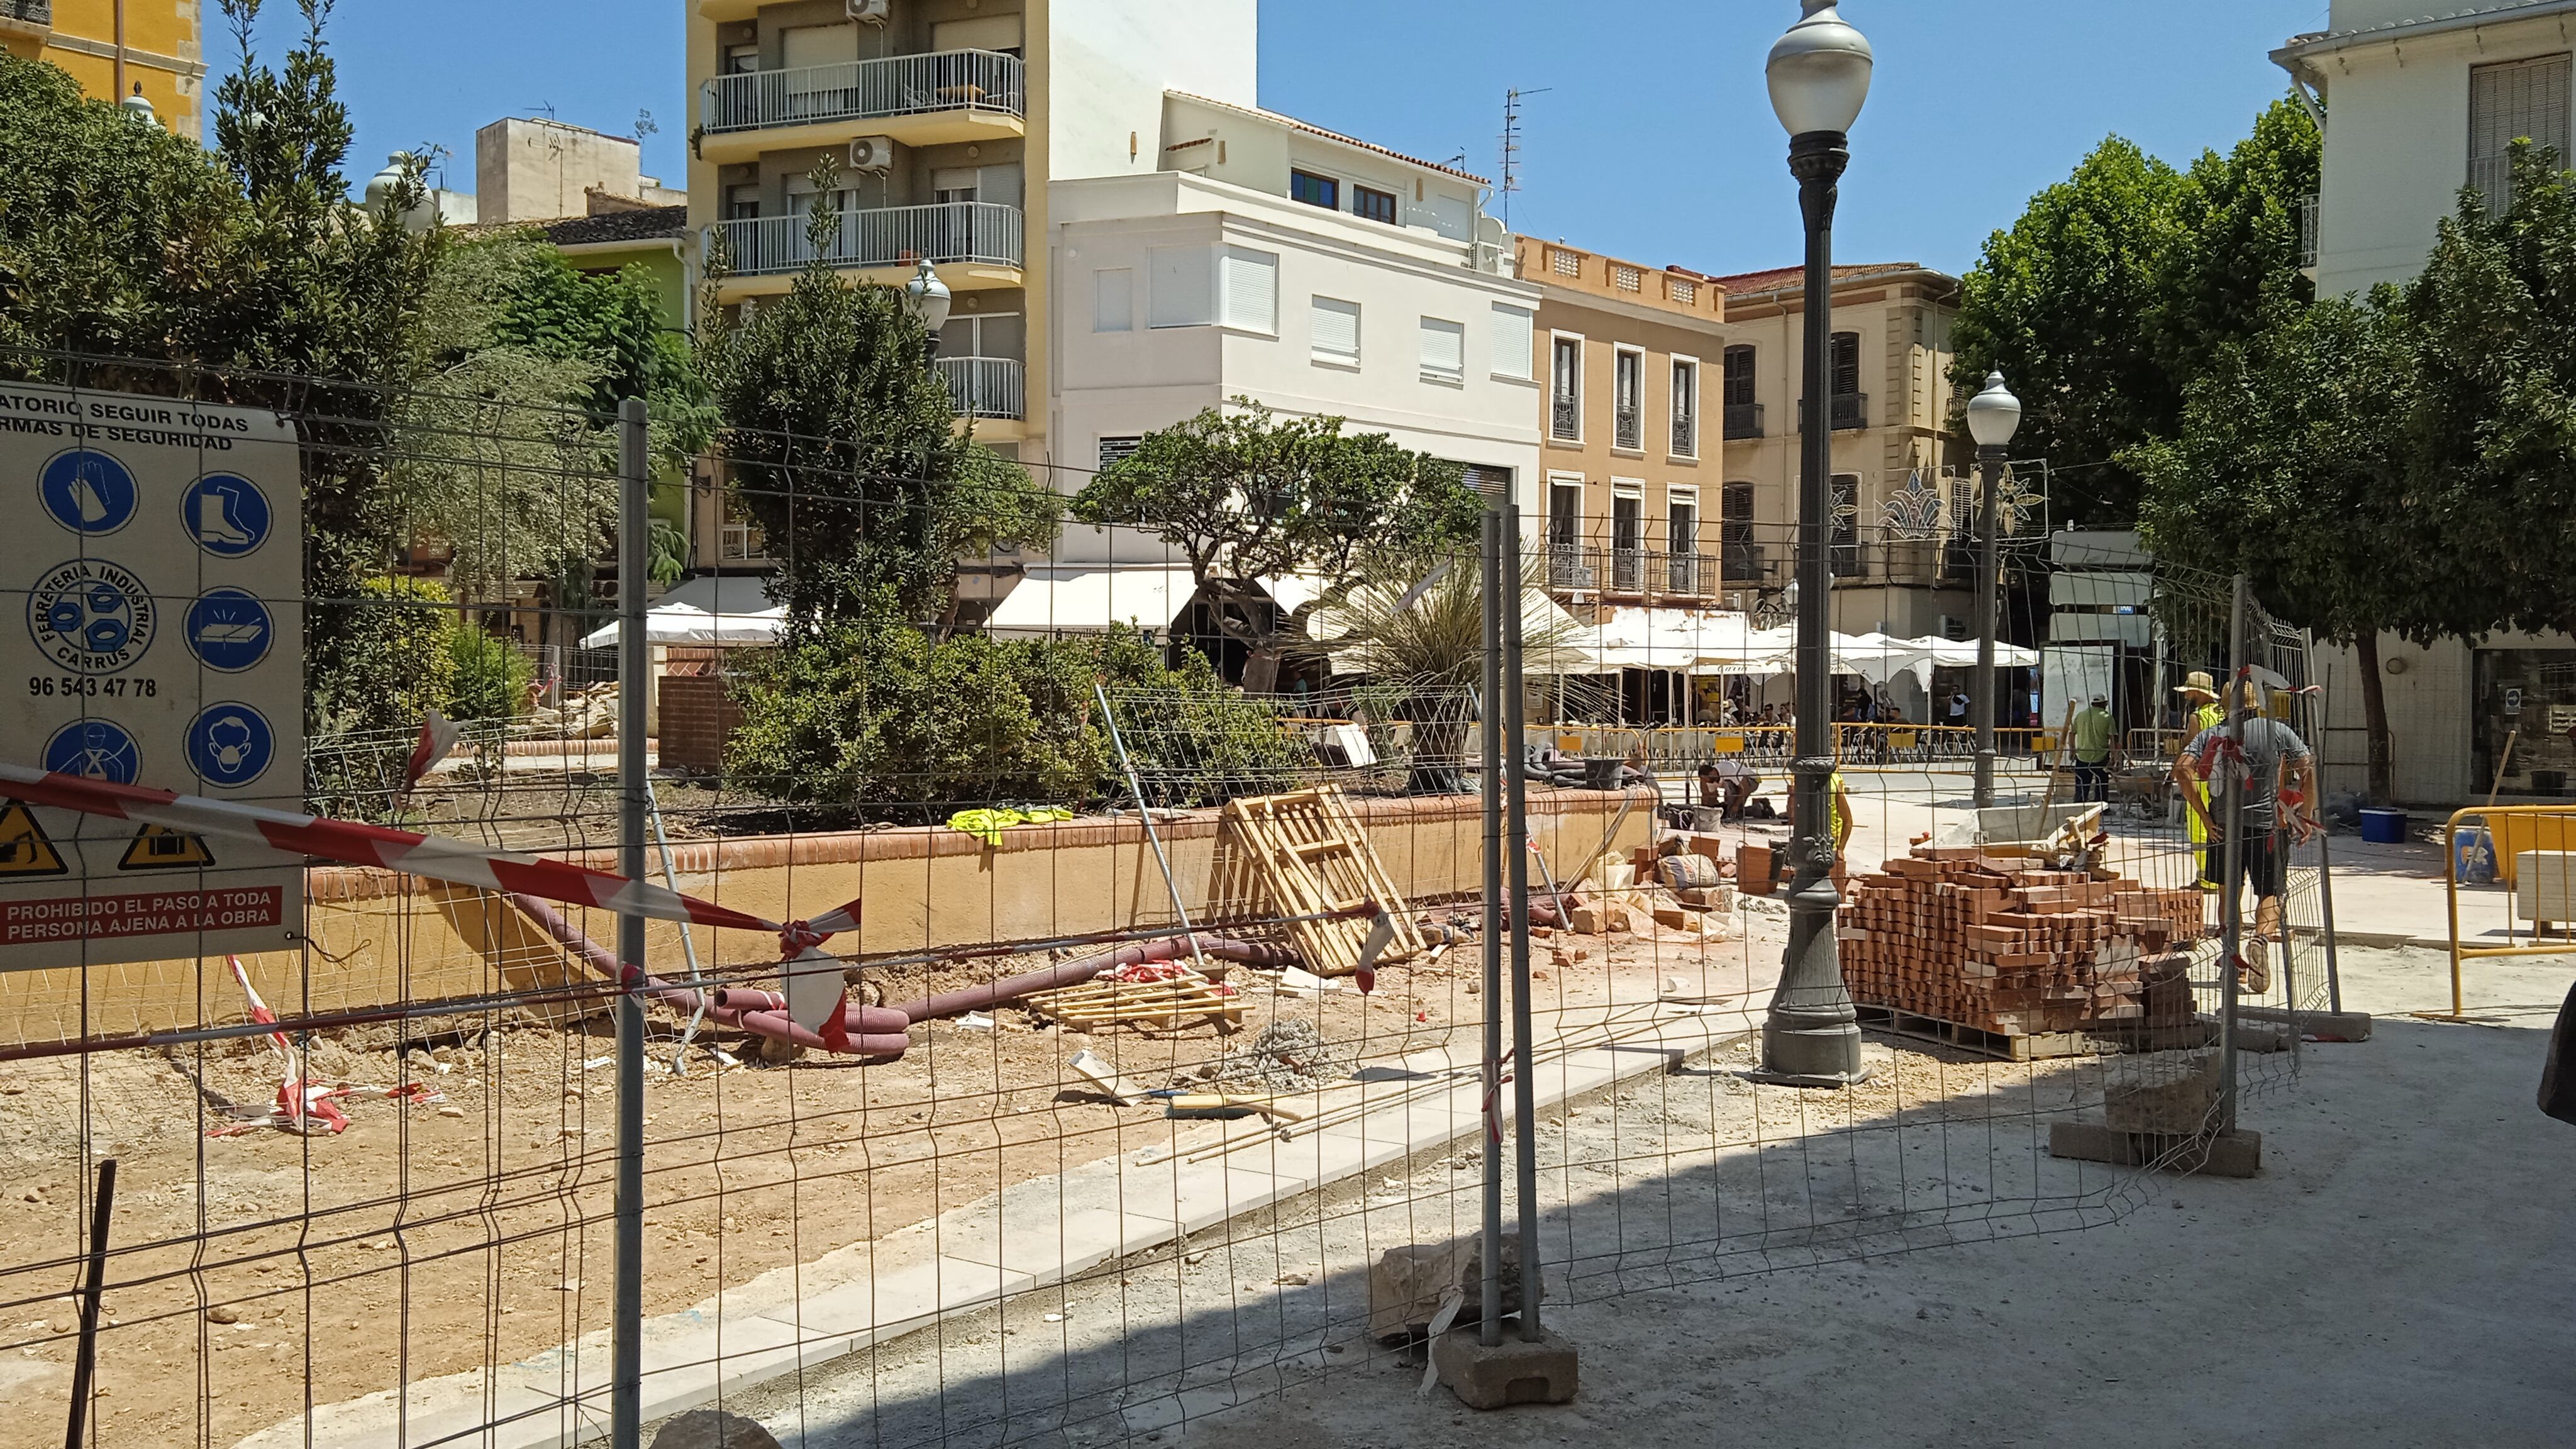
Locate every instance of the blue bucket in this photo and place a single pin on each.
(2473, 856)
(2382, 826)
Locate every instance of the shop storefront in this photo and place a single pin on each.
(2523, 714)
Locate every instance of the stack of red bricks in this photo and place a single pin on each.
(2005, 946)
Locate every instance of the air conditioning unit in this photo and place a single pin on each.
(872, 154)
(872, 12)
(1953, 629)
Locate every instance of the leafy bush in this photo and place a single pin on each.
(490, 678)
(394, 662)
(870, 712)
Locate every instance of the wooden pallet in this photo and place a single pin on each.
(1137, 1003)
(2103, 1039)
(1310, 856)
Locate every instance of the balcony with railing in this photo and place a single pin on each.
(986, 387)
(2308, 233)
(1639, 573)
(920, 100)
(1628, 428)
(1849, 412)
(1685, 436)
(1743, 420)
(1565, 419)
(979, 233)
(28, 14)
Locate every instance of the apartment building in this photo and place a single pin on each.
(1889, 402)
(1635, 504)
(118, 49)
(2419, 98)
(949, 119)
(1309, 271)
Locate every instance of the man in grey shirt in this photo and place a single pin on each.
(2275, 759)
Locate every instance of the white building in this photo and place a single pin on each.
(1313, 273)
(2420, 98)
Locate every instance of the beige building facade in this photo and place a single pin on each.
(1891, 402)
(1630, 463)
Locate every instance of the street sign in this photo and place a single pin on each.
(151, 633)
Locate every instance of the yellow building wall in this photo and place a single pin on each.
(162, 50)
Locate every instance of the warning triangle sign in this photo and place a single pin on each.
(158, 847)
(25, 849)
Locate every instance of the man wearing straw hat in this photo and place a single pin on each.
(2201, 712)
(2274, 769)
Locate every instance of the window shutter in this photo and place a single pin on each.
(1251, 290)
(1337, 330)
(1515, 336)
(1444, 349)
(1846, 364)
(1182, 286)
(1113, 300)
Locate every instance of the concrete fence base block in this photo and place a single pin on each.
(1507, 1373)
(2323, 1025)
(2218, 1154)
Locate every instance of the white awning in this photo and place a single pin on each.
(715, 611)
(1054, 601)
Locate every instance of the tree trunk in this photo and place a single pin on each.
(2382, 784)
(1261, 668)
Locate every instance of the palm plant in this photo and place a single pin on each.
(1423, 640)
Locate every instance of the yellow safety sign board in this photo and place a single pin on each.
(25, 849)
(158, 847)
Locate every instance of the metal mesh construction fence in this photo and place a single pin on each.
(1109, 1134)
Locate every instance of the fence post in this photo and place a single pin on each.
(634, 561)
(2231, 857)
(1507, 603)
(94, 1282)
(1489, 1328)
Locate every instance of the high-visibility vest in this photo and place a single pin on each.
(2208, 717)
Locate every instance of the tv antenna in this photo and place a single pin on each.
(1512, 147)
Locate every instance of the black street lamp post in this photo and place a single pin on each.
(1819, 74)
(1993, 417)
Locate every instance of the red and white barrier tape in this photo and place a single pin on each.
(814, 984)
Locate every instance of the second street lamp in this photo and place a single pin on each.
(1993, 417)
(926, 297)
(1819, 74)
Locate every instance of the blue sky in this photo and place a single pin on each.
(1655, 142)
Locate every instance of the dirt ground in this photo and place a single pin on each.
(473, 1231)
(2398, 1275)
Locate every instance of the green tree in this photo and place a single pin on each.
(2291, 466)
(1247, 497)
(2493, 430)
(847, 450)
(2121, 285)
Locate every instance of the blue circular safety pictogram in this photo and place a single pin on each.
(91, 616)
(230, 745)
(94, 749)
(226, 514)
(87, 492)
(228, 630)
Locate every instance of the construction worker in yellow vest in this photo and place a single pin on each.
(2201, 712)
